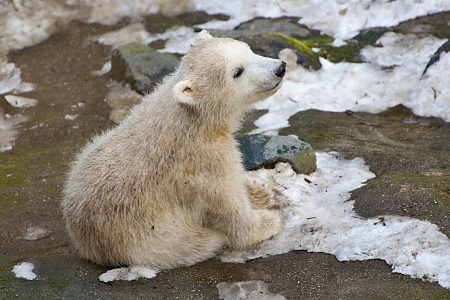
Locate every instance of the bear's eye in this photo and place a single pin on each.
(238, 72)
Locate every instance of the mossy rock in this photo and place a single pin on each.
(270, 44)
(141, 66)
(265, 151)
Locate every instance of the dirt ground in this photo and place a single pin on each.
(409, 155)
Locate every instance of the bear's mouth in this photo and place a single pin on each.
(276, 86)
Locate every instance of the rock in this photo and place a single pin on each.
(435, 57)
(287, 26)
(141, 66)
(271, 43)
(159, 23)
(267, 37)
(434, 24)
(265, 151)
(371, 35)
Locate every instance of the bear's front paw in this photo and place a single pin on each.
(267, 224)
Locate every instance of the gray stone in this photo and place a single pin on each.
(435, 57)
(287, 26)
(372, 34)
(265, 151)
(270, 44)
(141, 66)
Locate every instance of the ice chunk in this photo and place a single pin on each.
(249, 290)
(19, 101)
(35, 233)
(24, 270)
(129, 274)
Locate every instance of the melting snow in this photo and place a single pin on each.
(319, 217)
(391, 75)
(338, 18)
(10, 79)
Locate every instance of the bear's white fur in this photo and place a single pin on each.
(166, 187)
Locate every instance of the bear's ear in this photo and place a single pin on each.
(203, 35)
(183, 92)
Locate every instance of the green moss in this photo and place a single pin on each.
(136, 48)
(348, 52)
(435, 183)
(11, 171)
(27, 169)
(318, 41)
(298, 44)
(5, 271)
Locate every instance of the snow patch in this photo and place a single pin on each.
(337, 18)
(318, 217)
(372, 86)
(70, 117)
(10, 79)
(8, 130)
(179, 38)
(104, 70)
(19, 101)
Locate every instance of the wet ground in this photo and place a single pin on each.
(409, 155)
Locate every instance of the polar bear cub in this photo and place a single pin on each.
(166, 187)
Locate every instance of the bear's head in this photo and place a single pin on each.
(222, 74)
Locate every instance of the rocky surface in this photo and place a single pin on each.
(409, 155)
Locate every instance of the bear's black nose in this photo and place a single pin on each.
(281, 70)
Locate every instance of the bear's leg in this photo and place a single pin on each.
(176, 239)
(268, 224)
(244, 225)
(262, 225)
(259, 195)
(172, 239)
(192, 246)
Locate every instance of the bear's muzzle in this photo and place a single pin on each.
(281, 70)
